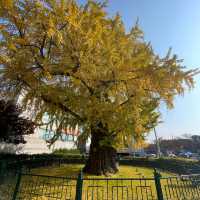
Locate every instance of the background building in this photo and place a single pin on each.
(37, 142)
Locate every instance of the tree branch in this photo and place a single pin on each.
(42, 46)
(64, 108)
(126, 101)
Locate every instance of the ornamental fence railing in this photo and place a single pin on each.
(19, 184)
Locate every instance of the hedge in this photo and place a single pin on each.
(174, 165)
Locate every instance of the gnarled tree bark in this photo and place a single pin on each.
(102, 158)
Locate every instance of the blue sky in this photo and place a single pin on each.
(176, 24)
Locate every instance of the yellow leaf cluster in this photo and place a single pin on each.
(80, 65)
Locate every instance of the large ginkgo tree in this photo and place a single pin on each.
(78, 65)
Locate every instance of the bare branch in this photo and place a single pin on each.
(42, 46)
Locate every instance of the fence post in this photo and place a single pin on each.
(16, 190)
(3, 170)
(79, 185)
(157, 177)
(3, 167)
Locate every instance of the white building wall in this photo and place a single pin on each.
(35, 144)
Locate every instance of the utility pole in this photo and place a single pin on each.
(157, 143)
(131, 148)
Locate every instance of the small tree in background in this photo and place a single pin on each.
(81, 66)
(13, 127)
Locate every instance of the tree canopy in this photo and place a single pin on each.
(81, 66)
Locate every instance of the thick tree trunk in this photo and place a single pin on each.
(102, 158)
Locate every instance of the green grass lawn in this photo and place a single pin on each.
(74, 169)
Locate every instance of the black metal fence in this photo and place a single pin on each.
(119, 189)
(21, 185)
(7, 185)
(185, 187)
(45, 187)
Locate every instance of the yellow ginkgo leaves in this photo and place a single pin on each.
(81, 66)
